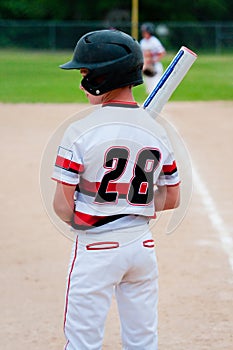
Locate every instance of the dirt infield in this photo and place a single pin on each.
(195, 262)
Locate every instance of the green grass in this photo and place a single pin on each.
(34, 76)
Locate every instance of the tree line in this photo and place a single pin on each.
(149, 10)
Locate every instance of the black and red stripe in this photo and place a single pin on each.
(82, 221)
(169, 169)
(69, 165)
(90, 188)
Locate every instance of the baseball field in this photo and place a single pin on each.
(195, 260)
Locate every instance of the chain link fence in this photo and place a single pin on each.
(208, 37)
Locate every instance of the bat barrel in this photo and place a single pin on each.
(171, 78)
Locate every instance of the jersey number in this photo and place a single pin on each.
(141, 187)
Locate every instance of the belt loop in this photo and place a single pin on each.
(102, 245)
(149, 243)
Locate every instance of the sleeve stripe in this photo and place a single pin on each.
(170, 169)
(174, 185)
(67, 164)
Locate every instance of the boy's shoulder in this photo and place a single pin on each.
(99, 117)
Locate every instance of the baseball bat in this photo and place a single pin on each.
(169, 81)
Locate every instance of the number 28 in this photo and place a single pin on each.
(141, 186)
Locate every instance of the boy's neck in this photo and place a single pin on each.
(122, 94)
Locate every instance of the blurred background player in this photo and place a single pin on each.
(153, 52)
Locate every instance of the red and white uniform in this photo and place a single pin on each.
(115, 157)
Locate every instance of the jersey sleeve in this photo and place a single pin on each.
(157, 46)
(169, 175)
(69, 161)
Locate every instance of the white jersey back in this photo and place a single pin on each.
(115, 156)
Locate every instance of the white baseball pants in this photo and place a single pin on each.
(123, 261)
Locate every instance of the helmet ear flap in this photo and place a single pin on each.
(93, 84)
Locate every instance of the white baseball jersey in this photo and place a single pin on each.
(152, 44)
(115, 157)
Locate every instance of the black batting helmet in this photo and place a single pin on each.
(113, 58)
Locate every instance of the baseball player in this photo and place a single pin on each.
(153, 52)
(114, 169)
